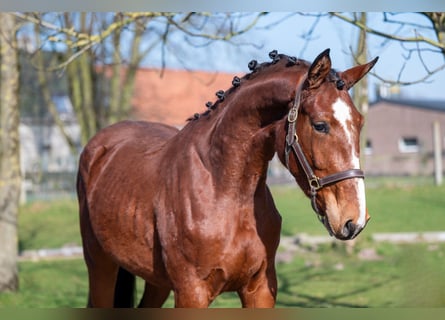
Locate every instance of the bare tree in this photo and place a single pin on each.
(102, 51)
(416, 38)
(10, 176)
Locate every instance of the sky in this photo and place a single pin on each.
(286, 37)
(221, 6)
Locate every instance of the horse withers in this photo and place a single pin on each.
(189, 211)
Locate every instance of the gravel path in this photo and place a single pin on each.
(289, 246)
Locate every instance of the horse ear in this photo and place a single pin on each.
(318, 70)
(353, 75)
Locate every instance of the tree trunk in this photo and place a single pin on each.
(10, 176)
(360, 90)
(46, 94)
(81, 85)
(122, 77)
(438, 21)
(130, 75)
(361, 101)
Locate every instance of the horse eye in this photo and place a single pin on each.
(321, 127)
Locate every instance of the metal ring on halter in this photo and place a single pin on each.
(314, 182)
(293, 114)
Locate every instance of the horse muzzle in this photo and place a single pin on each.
(346, 231)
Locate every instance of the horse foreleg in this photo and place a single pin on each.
(261, 291)
(153, 297)
(193, 296)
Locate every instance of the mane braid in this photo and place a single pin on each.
(258, 69)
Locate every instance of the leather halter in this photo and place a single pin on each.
(315, 183)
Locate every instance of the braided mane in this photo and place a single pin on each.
(256, 69)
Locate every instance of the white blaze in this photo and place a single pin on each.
(342, 112)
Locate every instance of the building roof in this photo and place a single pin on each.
(435, 105)
(177, 95)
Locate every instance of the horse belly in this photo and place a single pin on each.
(126, 233)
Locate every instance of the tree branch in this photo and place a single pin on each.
(44, 88)
(83, 41)
(423, 79)
(417, 38)
(224, 37)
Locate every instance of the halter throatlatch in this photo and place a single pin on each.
(315, 183)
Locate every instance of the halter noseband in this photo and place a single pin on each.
(315, 183)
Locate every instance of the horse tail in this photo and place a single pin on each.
(124, 289)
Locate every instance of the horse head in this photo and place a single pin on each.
(322, 146)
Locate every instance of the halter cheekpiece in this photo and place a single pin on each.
(315, 183)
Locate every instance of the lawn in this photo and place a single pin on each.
(49, 224)
(328, 276)
(401, 205)
(316, 276)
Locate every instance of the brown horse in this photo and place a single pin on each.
(190, 210)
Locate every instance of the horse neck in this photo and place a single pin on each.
(243, 138)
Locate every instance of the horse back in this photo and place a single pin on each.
(140, 135)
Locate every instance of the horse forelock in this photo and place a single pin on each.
(333, 76)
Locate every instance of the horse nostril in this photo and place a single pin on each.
(349, 229)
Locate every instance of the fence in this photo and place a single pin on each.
(48, 185)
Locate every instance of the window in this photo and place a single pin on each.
(408, 144)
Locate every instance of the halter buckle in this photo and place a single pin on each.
(314, 182)
(293, 114)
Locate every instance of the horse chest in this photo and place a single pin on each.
(245, 260)
(232, 258)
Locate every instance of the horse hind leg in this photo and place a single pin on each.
(124, 289)
(109, 285)
(153, 297)
(102, 270)
(102, 276)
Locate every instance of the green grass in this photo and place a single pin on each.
(49, 224)
(49, 284)
(399, 206)
(409, 208)
(406, 276)
(316, 277)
